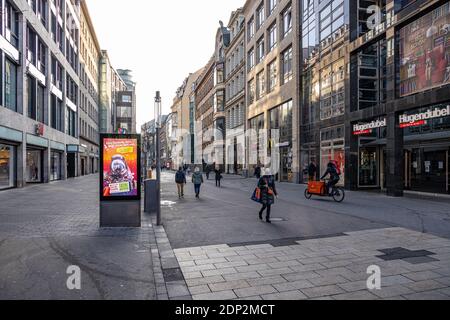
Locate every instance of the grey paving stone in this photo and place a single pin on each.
(309, 267)
(300, 276)
(209, 261)
(283, 264)
(428, 295)
(394, 280)
(393, 291)
(272, 272)
(224, 265)
(288, 295)
(254, 267)
(444, 280)
(357, 295)
(254, 291)
(327, 280)
(293, 285)
(199, 289)
(354, 286)
(266, 281)
(219, 272)
(230, 285)
(187, 263)
(177, 290)
(223, 295)
(193, 275)
(422, 275)
(426, 285)
(199, 268)
(200, 281)
(322, 291)
(242, 276)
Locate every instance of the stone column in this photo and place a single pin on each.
(395, 157)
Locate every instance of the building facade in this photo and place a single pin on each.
(398, 122)
(39, 46)
(89, 94)
(235, 104)
(273, 86)
(126, 103)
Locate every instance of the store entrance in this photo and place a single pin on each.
(428, 169)
(71, 165)
(286, 165)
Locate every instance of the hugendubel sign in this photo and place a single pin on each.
(367, 128)
(420, 119)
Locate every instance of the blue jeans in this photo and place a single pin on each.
(197, 189)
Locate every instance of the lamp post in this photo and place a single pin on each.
(158, 156)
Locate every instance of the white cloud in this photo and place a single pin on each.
(161, 41)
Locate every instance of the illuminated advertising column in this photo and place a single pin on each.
(120, 181)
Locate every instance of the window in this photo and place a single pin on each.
(273, 75)
(251, 91)
(251, 59)
(331, 19)
(42, 50)
(272, 6)
(31, 95)
(260, 50)
(287, 21)
(31, 45)
(40, 103)
(124, 112)
(12, 24)
(10, 85)
(70, 122)
(287, 65)
(126, 99)
(260, 85)
(260, 16)
(272, 36)
(251, 28)
(56, 115)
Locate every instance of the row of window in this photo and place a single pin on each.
(257, 88)
(235, 116)
(285, 17)
(87, 131)
(235, 86)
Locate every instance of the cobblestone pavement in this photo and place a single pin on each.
(413, 266)
(44, 229)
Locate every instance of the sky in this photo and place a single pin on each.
(160, 41)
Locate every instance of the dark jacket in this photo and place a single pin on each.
(258, 172)
(312, 169)
(180, 177)
(331, 170)
(218, 174)
(268, 190)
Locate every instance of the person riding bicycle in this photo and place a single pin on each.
(334, 172)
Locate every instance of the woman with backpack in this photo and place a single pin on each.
(266, 184)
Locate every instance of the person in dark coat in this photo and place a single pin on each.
(268, 193)
(180, 180)
(334, 177)
(207, 171)
(312, 171)
(219, 176)
(258, 172)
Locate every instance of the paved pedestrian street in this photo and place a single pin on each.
(216, 247)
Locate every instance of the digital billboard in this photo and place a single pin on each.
(425, 52)
(120, 173)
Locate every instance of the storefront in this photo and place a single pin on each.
(7, 166)
(55, 166)
(280, 121)
(34, 165)
(332, 143)
(426, 147)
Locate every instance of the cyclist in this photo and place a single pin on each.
(334, 172)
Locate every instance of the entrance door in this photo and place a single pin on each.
(431, 171)
(71, 165)
(83, 172)
(286, 165)
(410, 165)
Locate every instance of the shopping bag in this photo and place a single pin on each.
(257, 195)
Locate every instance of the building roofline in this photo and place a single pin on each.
(85, 10)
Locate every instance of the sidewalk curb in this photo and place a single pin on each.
(169, 279)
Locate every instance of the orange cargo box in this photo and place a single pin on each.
(317, 187)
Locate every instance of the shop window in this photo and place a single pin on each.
(7, 166)
(55, 166)
(10, 85)
(368, 167)
(34, 166)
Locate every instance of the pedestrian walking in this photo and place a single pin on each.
(268, 190)
(258, 172)
(197, 180)
(180, 180)
(219, 177)
(312, 171)
(208, 171)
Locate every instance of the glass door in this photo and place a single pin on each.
(368, 167)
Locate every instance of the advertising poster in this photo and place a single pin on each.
(425, 52)
(120, 165)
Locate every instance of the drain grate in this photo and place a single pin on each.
(413, 257)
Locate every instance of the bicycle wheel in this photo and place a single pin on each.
(307, 194)
(339, 194)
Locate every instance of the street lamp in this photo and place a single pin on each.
(158, 156)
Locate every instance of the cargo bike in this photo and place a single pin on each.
(319, 188)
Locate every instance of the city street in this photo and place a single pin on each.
(217, 248)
